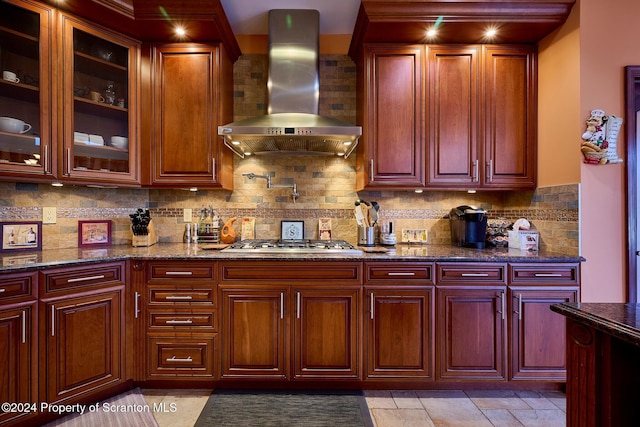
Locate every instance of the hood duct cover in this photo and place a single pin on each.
(293, 125)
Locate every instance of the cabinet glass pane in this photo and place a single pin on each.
(101, 116)
(19, 87)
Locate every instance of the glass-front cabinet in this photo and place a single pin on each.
(100, 94)
(26, 93)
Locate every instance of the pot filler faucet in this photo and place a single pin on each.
(294, 193)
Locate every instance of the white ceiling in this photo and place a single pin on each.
(251, 16)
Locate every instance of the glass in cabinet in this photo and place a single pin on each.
(25, 89)
(100, 100)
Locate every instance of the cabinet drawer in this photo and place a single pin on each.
(170, 356)
(182, 320)
(182, 270)
(63, 279)
(564, 274)
(17, 287)
(178, 296)
(404, 273)
(311, 272)
(459, 273)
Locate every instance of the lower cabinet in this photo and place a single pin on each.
(179, 306)
(291, 320)
(82, 331)
(19, 346)
(268, 329)
(83, 344)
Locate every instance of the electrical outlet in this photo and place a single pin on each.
(49, 215)
(187, 215)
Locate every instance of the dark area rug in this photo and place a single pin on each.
(285, 408)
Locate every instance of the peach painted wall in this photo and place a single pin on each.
(609, 34)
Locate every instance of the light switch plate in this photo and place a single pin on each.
(49, 215)
(187, 215)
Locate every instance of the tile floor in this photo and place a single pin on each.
(440, 408)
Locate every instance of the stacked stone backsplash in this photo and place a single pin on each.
(326, 186)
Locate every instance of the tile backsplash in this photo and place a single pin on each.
(326, 186)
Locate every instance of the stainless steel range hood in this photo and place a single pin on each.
(292, 125)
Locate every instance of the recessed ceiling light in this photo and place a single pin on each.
(431, 32)
(180, 31)
(491, 32)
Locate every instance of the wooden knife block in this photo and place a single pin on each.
(148, 240)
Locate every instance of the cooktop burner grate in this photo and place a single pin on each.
(294, 246)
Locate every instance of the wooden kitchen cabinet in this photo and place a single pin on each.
(27, 37)
(19, 338)
(255, 337)
(82, 331)
(399, 320)
(190, 93)
(99, 81)
(179, 308)
(510, 117)
(291, 320)
(482, 116)
(538, 335)
(472, 313)
(391, 153)
(454, 74)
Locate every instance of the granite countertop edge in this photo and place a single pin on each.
(47, 258)
(621, 320)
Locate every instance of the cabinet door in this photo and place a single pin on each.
(18, 359)
(400, 333)
(453, 96)
(472, 333)
(254, 333)
(510, 117)
(99, 104)
(326, 333)
(538, 334)
(83, 345)
(26, 33)
(393, 136)
(188, 102)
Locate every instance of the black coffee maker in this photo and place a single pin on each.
(468, 226)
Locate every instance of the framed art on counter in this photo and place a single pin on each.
(94, 233)
(21, 236)
(292, 230)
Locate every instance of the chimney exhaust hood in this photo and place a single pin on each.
(292, 125)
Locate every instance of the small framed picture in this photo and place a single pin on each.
(292, 230)
(94, 233)
(21, 236)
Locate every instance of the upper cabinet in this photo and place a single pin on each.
(190, 91)
(390, 110)
(98, 140)
(26, 116)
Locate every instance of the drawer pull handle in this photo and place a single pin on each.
(53, 320)
(548, 275)
(136, 300)
(179, 297)
(179, 273)
(519, 311)
(179, 322)
(24, 326)
(475, 274)
(372, 305)
(2, 290)
(501, 311)
(401, 273)
(84, 279)
(175, 359)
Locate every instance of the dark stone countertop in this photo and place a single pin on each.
(621, 320)
(181, 251)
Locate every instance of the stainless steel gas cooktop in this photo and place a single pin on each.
(304, 246)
